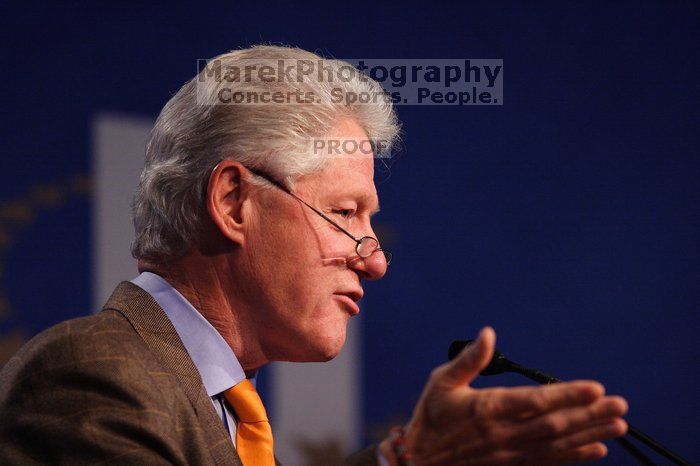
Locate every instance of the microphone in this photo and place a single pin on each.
(500, 364)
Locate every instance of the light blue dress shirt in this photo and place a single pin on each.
(213, 357)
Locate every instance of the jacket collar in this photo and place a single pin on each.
(154, 327)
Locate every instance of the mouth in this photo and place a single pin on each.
(349, 300)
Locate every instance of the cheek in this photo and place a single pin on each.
(296, 263)
(326, 331)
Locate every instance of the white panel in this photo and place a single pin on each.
(318, 403)
(118, 146)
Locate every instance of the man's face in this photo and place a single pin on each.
(306, 273)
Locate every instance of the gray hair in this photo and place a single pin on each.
(196, 130)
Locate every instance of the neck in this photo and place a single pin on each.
(204, 281)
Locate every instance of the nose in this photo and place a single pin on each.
(370, 268)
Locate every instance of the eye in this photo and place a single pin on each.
(345, 213)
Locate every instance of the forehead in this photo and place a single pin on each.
(350, 172)
(351, 177)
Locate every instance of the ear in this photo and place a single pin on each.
(227, 196)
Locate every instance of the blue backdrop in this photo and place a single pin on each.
(566, 218)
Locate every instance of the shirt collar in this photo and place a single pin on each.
(213, 357)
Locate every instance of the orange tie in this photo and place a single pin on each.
(253, 432)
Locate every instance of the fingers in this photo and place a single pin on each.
(584, 454)
(568, 421)
(522, 402)
(606, 430)
(558, 433)
(472, 360)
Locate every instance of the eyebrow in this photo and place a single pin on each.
(362, 198)
(368, 200)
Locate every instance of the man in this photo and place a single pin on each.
(252, 247)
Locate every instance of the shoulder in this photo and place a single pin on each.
(108, 341)
(92, 383)
(101, 341)
(78, 360)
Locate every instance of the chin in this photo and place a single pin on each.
(322, 348)
(320, 340)
(330, 354)
(327, 350)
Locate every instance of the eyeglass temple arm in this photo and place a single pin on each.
(286, 190)
(325, 217)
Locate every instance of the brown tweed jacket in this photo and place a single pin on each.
(117, 387)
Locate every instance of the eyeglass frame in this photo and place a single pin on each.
(388, 255)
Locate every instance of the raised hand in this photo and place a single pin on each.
(455, 424)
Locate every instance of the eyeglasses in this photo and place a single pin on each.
(365, 246)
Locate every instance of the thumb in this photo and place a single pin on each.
(472, 360)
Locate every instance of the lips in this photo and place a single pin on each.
(355, 294)
(352, 308)
(350, 299)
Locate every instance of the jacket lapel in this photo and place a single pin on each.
(152, 324)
